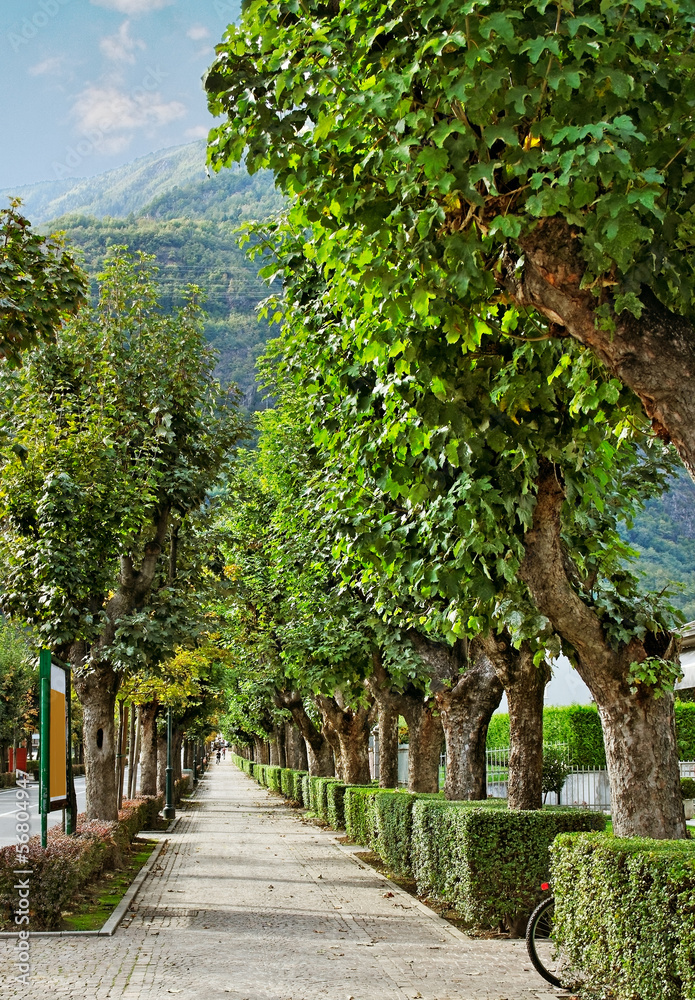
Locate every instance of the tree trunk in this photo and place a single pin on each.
(148, 748)
(176, 753)
(524, 684)
(296, 748)
(639, 729)
(274, 754)
(466, 691)
(426, 736)
(258, 750)
(654, 354)
(319, 751)
(97, 688)
(161, 764)
(351, 727)
(389, 704)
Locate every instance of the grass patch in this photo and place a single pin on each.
(97, 901)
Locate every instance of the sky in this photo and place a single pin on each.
(88, 85)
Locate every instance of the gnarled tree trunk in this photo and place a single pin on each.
(97, 687)
(161, 764)
(319, 751)
(466, 691)
(426, 736)
(389, 706)
(351, 727)
(653, 354)
(148, 748)
(639, 730)
(524, 684)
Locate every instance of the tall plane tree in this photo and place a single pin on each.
(118, 430)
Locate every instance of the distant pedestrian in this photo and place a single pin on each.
(218, 756)
(224, 752)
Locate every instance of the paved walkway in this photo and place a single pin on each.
(250, 903)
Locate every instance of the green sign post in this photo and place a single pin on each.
(57, 786)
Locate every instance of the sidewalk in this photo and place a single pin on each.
(249, 903)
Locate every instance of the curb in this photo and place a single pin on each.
(109, 928)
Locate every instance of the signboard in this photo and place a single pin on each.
(56, 789)
(58, 741)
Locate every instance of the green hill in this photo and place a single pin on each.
(664, 535)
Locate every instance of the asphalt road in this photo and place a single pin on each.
(9, 808)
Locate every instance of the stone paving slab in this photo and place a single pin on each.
(248, 902)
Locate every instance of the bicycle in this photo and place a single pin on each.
(539, 940)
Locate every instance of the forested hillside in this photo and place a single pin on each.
(664, 534)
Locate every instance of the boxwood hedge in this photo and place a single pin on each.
(486, 860)
(625, 915)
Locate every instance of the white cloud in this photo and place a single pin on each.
(133, 7)
(198, 32)
(121, 47)
(51, 65)
(101, 111)
(197, 132)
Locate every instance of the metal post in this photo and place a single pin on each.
(71, 817)
(44, 740)
(169, 811)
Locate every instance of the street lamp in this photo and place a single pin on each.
(169, 809)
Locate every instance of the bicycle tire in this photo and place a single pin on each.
(540, 928)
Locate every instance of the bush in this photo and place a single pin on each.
(8, 780)
(335, 804)
(685, 729)
(688, 788)
(624, 915)
(390, 814)
(60, 870)
(287, 782)
(555, 770)
(485, 859)
(273, 775)
(360, 823)
(297, 786)
(306, 791)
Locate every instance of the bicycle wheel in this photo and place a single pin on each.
(540, 943)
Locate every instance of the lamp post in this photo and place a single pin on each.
(169, 811)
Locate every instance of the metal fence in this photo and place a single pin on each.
(584, 787)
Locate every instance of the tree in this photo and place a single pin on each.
(17, 678)
(118, 432)
(465, 444)
(40, 284)
(459, 154)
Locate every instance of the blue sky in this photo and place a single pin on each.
(90, 84)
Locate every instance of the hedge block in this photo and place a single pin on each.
(487, 860)
(360, 822)
(625, 915)
(297, 786)
(306, 791)
(273, 775)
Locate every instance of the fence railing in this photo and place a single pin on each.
(584, 787)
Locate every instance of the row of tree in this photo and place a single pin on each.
(487, 349)
(115, 436)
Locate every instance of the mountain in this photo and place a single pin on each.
(167, 205)
(664, 535)
(124, 191)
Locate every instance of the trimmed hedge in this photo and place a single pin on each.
(579, 727)
(487, 860)
(360, 822)
(625, 915)
(60, 870)
(306, 791)
(8, 780)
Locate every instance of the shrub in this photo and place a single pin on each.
(555, 770)
(360, 823)
(259, 774)
(319, 796)
(297, 786)
(287, 782)
(8, 780)
(68, 863)
(685, 729)
(390, 814)
(625, 916)
(335, 804)
(306, 791)
(485, 859)
(273, 775)
(688, 788)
